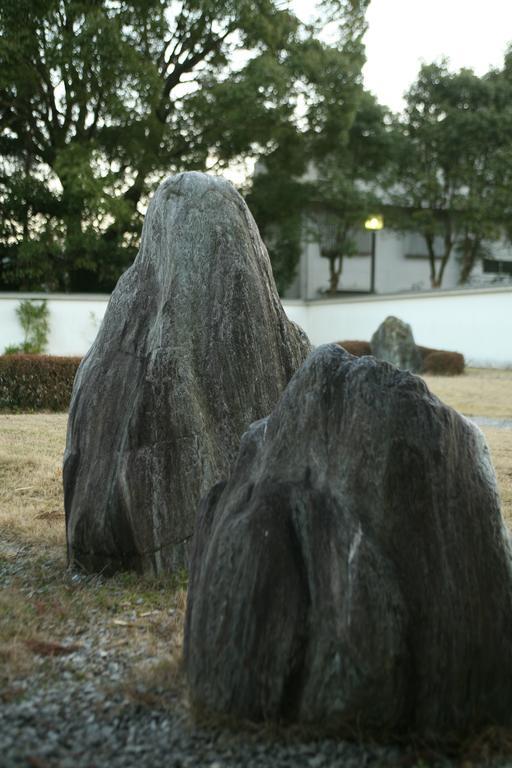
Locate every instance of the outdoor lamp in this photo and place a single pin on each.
(374, 223)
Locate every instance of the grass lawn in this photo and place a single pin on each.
(44, 612)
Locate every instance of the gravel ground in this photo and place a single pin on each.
(84, 723)
(79, 726)
(84, 719)
(75, 726)
(84, 710)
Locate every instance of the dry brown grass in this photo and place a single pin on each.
(478, 392)
(484, 392)
(500, 443)
(42, 611)
(31, 503)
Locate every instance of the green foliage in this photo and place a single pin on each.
(327, 84)
(346, 190)
(100, 100)
(34, 318)
(277, 200)
(454, 168)
(36, 382)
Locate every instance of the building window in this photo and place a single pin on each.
(497, 267)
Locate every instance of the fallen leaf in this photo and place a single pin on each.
(52, 514)
(43, 648)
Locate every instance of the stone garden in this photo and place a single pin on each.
(337, 526)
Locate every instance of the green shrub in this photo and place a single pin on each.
(36, 382)
(35, 321)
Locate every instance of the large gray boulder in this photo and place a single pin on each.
(393, 342)
(355, 570)
(194, 346)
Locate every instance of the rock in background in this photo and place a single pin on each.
(194, 346)
(393, 342)
(355, 570)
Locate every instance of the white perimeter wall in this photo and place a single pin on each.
(74, 321)
(477, 322)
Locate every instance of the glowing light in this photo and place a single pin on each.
(374, 222)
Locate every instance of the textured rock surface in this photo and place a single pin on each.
(194, 346)
(393, 342)
(355, 569)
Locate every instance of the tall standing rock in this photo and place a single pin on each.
(393, 342)
(355, 570)
(194, 346)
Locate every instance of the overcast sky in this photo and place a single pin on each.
(403, 33)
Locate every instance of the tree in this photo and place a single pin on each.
(34, 318)
(100, 99)
(347, 190)
(455, 136)
(492, 201)
(328, 88)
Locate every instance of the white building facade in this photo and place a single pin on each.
(401, 264)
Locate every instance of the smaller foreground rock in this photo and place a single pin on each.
(393, 342)
(355, 570)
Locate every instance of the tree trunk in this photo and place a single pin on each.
(432, 259)
(437, 274)
(469, 256)
(73, 244)
(26, 214)
(448, 245)
(335, 270)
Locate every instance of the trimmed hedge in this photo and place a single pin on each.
(436, 361)
(45, 383)
(36, 382)
(357, 348)
(440, 362)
